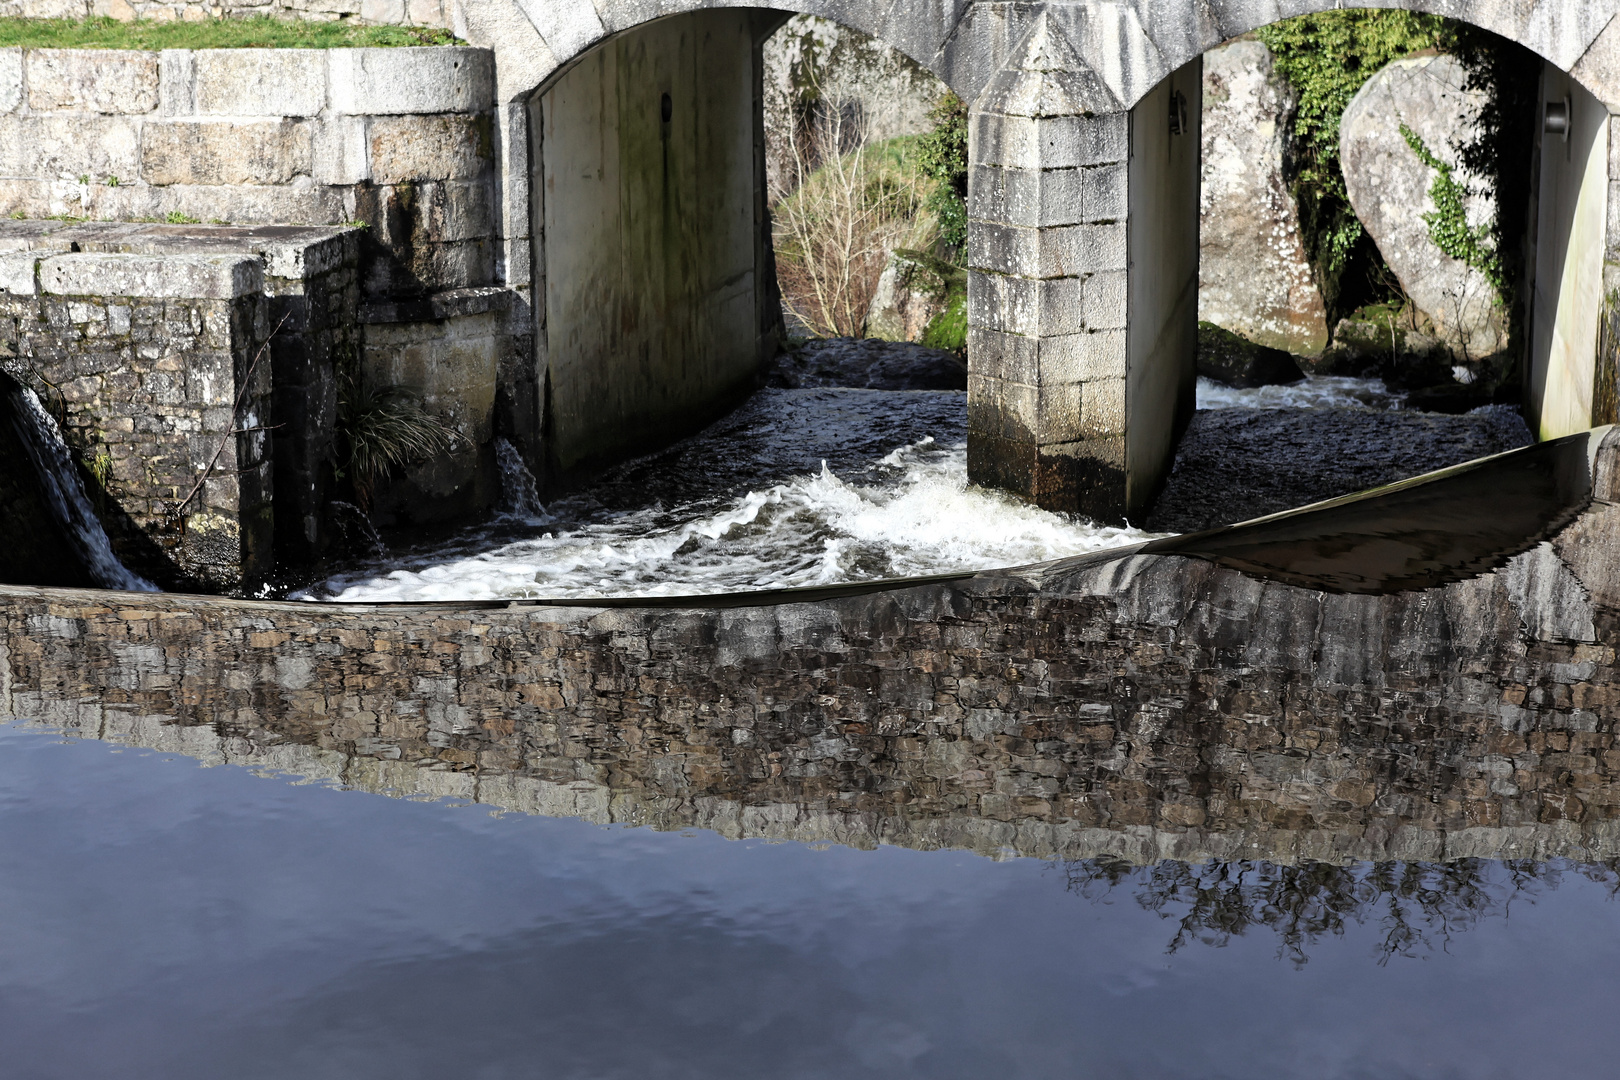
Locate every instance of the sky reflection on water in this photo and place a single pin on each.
(166, 920)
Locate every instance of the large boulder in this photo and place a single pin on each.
(1237, 361)
(1254, 278)
(814, 67)
(1389, 187)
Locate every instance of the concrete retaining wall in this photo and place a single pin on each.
(1568, 289)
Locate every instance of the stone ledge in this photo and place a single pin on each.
(205, 277)
(436, 307)
(396, 81)
(296, 252)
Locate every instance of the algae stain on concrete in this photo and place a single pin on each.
(649, 171)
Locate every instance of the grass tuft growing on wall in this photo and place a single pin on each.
(255, 32)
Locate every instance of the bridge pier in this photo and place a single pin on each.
(1083, 284)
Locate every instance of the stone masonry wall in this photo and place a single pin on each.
(311, 283)
(160, 368)
(450, 349)
(399, 139)
(410, 12)
(1133, 705)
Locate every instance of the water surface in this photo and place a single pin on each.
(170, 921)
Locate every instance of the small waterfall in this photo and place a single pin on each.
(520, 496)
(59, 480)
(355, 531)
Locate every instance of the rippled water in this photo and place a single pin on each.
(798, 487)
(1312, 392)
(191, 924)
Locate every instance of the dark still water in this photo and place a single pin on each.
(166, 920)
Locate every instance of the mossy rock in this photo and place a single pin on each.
(1237, 361)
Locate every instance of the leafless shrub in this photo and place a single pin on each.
(840, 211)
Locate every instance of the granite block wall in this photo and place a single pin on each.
(160, 368)
(399, 139)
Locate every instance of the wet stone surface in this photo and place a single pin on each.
(1236, 464)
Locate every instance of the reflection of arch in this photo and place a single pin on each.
(1057, 408)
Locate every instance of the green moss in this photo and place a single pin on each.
(942, 157)
(255, 32)
(944, 281)
(1448, 221)
(1327, 58)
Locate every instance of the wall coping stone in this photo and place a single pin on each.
(206, 277)
(439, 306)
(296, 252)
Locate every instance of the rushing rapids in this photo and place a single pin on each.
(811, 483)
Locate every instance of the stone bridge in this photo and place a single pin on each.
(1083, 209)
(569, 241)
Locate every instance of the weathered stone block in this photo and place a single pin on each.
(240, 204)
(406, 148)
(18, 272)
(1106, 305)
(1103, 408)
(383, 12)
(11, 79)
(1054, 143)
(1007, 357)
(177, 82)
(1040, 198)
(261, 82)
(385, 82)
(1020, 305)
(213, 277)
(1563, 31)
(1087, 357)
(223, 152)
(56, 146)
(339, 150)
(113, 81)
(568, 27)
(1057, 251)
(1007, 410)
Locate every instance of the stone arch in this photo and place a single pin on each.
(673, 301)
(1071, 400)
(1053, 88)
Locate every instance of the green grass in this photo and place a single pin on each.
(256, 32)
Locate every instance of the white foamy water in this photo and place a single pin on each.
(909, 513)
(1312, 392)
(59, 480)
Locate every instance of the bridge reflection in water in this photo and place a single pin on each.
(1247, 741)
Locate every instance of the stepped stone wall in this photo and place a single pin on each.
(399, 139)
(161, 367)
